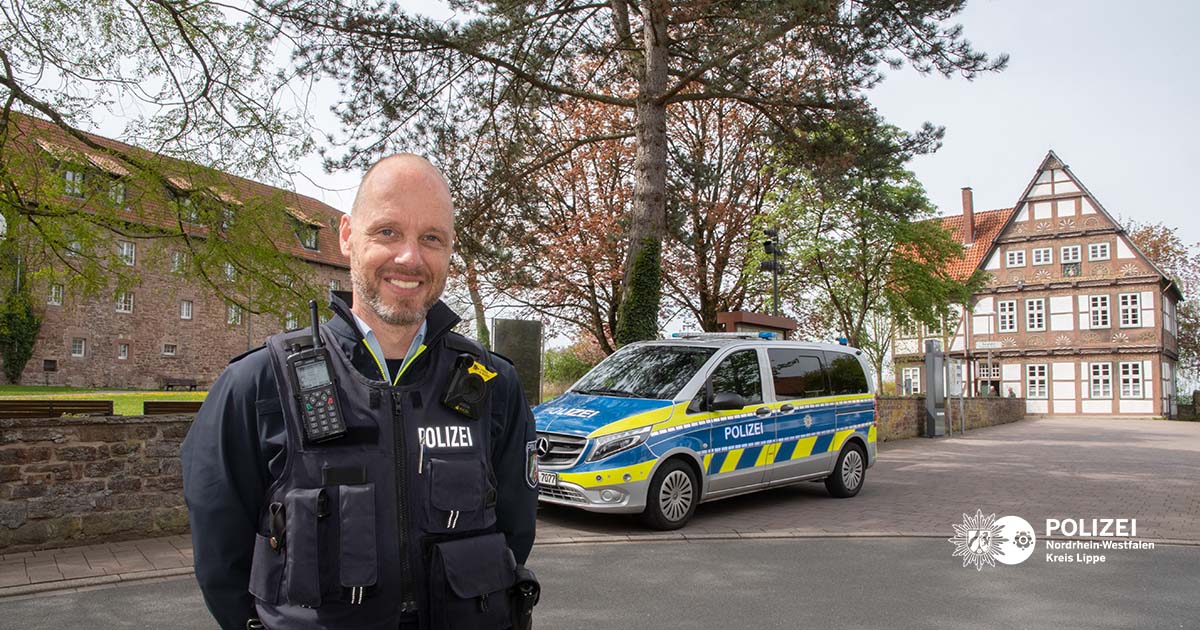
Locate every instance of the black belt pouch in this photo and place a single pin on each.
(469, 582)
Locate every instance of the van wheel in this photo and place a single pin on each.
(672, 496)
(849, 474)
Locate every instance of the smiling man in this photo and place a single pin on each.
(383, 478)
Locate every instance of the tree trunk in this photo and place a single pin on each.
(481, 327)
(642, 283)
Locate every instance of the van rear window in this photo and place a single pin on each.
(846, 374)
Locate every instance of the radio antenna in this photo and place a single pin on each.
(316, 334)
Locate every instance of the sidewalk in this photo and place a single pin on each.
(75, 568)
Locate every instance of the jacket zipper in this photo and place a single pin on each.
(408, 603)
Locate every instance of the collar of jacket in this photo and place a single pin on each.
(440, 320)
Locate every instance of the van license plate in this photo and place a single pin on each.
(547, 478)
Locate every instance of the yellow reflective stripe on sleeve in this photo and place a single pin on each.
(804, 448)
(707, 461)
(839, 439)
(731, 459)
(613, 476)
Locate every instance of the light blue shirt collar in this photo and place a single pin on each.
(373, 344)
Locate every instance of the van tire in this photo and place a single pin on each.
(849, 474)
(672, 496)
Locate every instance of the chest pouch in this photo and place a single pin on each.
(468, 386)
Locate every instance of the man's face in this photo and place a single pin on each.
(399, 240)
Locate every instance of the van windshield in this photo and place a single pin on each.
(644, 372)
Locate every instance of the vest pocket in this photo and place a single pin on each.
(357, 561)
(266, 570)
(302, 570)
(469, 580)
(461, 496)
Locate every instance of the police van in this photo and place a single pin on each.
(659, 427)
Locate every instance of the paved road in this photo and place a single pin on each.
(1037, 469)
(898, 584)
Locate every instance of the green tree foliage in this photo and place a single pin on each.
(798, 62)
(19, 326)
(860, 242)
(564, 366)
(1180, 262)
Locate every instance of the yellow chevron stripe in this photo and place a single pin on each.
(804, 447)
(766, 456)
(731, 460)
(839, 438)
(871, 434)
(640, 420)
(707, 461)
(612, 476)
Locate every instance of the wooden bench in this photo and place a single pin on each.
(54, 408)
(189, 383)
(160, 407)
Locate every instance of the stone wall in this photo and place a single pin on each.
(902, 417)
(73, 481)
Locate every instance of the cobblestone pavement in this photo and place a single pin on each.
(1037, 469)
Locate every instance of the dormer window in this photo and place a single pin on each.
(116, 193)
(73, 183)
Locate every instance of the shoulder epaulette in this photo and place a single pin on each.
(462, 343)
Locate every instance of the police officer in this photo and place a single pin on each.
(408, 500)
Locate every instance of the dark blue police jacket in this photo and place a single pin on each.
(237, 448)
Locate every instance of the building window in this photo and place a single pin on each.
(230, 272)
(1035, 314)
(1035, 381)
(1099, 310)
(179, 261)
(292, 322)
(1015, 258)
(78, 346)
(1098, 251)
(185, 309)
(128, 252)
(1043, 256)
(910, 380)
(116, 194)
(187, 209)
(169, 349)
(73, 184)
(1007, 316)
(307, 235)
(335, 285)
(124, 302)
(226, 217)
(122, 351)
(1069, 254)
(1101, 380)
(233, 315)
(907, 330)
(56, 295)
(1131, 379)
(1131, 310)
(989, 371)
(74, 247)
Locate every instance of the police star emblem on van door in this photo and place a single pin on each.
(808, 421)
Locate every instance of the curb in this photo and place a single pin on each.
(10, 592)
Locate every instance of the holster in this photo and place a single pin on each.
(525, 595)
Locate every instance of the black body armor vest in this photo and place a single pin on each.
(393, 521)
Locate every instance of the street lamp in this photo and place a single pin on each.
(774, 249)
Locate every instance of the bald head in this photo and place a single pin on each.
(400, 174)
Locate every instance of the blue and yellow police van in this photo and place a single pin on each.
(659, 427)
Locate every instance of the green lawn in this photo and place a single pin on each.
(125, 403)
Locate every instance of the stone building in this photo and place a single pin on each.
(1074, 318)
(167, 325)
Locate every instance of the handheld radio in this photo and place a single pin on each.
(319, 409)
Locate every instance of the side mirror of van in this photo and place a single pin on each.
(726, 401)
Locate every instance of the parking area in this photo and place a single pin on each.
(1036, 469)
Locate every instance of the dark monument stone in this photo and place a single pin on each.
(521, 341)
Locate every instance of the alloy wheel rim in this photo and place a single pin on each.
(852, 470)
(675, 497)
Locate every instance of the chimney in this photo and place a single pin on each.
(968, 216)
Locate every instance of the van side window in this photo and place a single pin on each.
(846, 374)
(739, 374)
(797, 373)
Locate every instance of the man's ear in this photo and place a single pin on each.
(344, 234)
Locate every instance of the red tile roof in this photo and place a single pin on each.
(988, 224)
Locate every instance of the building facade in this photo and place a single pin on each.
(167, 325)
(1074, 318)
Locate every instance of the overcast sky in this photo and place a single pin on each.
(1110, 86)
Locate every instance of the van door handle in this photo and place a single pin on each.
(762, 411)
(786, 408)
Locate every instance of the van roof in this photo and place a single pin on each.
(722, 342)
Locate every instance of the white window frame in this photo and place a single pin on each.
(82, 342)
(116, 193)
(1098, 311)
(125, 302)
(1043, 256)
(1099, 251)
(127, 250)
(335, 285)
(56, 295)
(122, 351)
(1070, 254)
(291, 322)
(1006, 313)
(230, 272)
(233, 315)
(73, 181)
(1035, 381)
(1130, 306)
(913, 373)
(179, 261)
(1101, 380)
(170, 349)
(1132, 380)
(1035, 318)
(185, 309)
(1014, 258)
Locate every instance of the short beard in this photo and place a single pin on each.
(391, 315)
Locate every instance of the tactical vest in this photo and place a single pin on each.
(393, 521)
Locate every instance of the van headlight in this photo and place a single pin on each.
(609, 445)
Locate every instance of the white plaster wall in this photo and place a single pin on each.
(1042, 209)
(982, 324)
(1087, 206)
(1097, 406)
(1037, 406)
(1064, 371)
(1010, 372)
(1064, 390)
(1062, 321)
(1061, 304)
(1123, 249)
(1064, 406)
(1136, 406)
